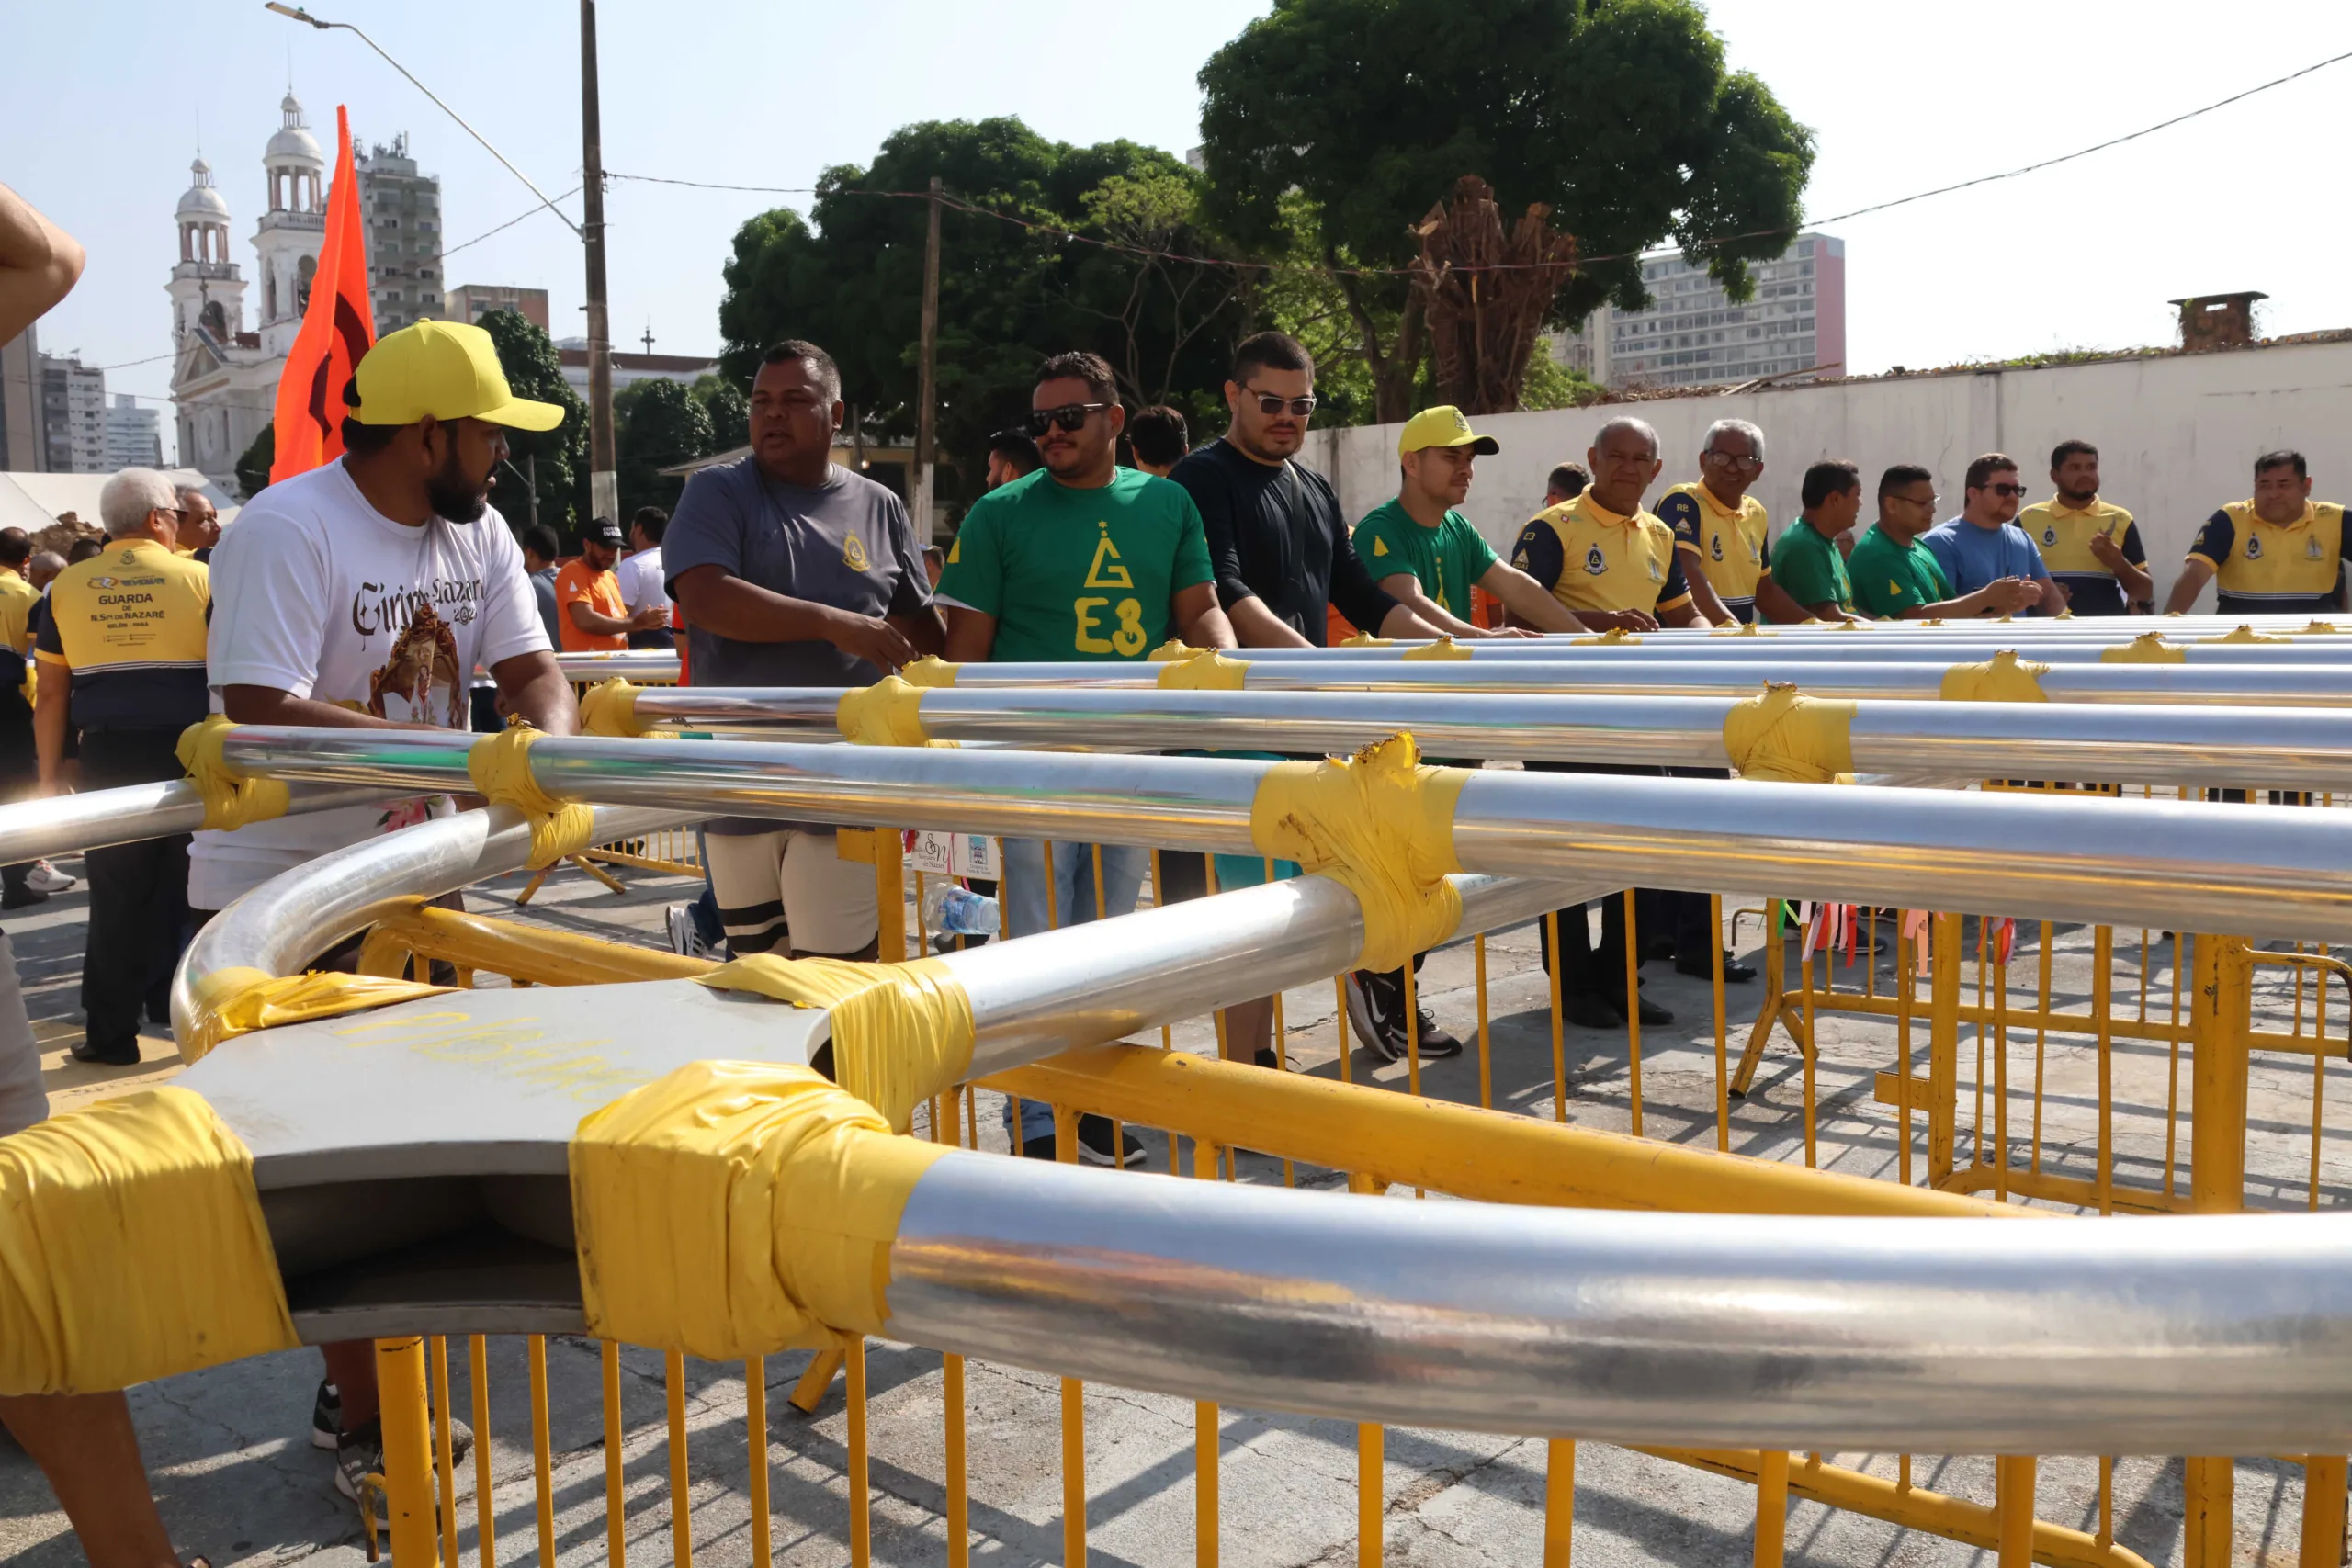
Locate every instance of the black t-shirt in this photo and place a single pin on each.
(1277, 533)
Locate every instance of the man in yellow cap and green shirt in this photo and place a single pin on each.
(362, 595)
(1426, 556)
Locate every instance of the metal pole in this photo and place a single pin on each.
(926, 430)
(603, 479)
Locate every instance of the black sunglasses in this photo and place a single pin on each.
(2005, 491)
(1270, 404)
(1069, 416)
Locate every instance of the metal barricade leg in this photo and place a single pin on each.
(408, 1452)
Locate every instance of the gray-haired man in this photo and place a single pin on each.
(1719, 527)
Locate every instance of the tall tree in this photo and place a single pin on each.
(556, 460)
(731, 413)
(661, 423)
(1617, 114)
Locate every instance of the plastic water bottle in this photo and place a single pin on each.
(950, 910)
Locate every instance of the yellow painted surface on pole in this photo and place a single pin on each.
(543, 1455)
(408, 1452)
(1634, 1012)
(2208, 1488)
(616, 1476)
(959, 1493)
(1372, 1494)
(755, 1444)
(2013, 1483)
(1943, 1048)
(1560, 1501)
(891, 889)
(1073, 1392)
(486, 1518)
(1207, 1455)
(2324, 1498)
(436, 1354)
(1772, 1508)
(861, 1500)
(682, 1528)
(2220, 1011)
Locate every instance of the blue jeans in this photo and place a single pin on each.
(1022, 893)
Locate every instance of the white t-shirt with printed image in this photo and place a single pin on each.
(317, 593)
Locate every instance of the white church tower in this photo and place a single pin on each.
(206, 288)
(294, 229)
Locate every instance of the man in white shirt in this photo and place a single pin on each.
(361, 596)
(640, 577)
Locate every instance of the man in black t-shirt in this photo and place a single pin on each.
(1284, 560)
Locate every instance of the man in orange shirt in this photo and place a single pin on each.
(588, 596)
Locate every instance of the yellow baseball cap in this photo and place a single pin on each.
(448, 369)
(1442, 426)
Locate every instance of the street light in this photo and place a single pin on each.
(603, 480)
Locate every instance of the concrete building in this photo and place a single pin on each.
(73, 417)
(20, 444)
(631, 368)
(469, 302)
(134, 437)
(224, 381)
(401, 210)
(1694, 335)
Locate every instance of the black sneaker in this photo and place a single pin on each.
(1377, 1013)
(1266, 1057)
(360, 1454)
(109, 1055)
(326, 1417)
(1095, 1147)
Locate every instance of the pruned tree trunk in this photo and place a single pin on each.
(1484, 293)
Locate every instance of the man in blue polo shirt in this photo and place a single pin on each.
(1983, 545)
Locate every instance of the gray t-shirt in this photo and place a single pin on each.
(846, 543)
(543, 591)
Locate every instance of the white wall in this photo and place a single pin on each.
(2177, 435)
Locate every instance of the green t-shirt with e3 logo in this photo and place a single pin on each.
(1074, 574)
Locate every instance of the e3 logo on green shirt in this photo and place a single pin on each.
(1107, 571)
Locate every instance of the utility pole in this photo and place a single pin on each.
(927, 381)
(603, 479)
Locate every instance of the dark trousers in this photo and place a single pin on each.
(19, 764)
(1600, 971)
(138, 919)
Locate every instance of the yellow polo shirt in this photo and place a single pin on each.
(2266, 568)
(1593, 558)
(1727, 543)
(2064, 535)
(130, 624)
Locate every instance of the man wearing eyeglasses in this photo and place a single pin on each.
(1719, 527)
(123, 660)
(1895, 578)
(1081, 562)
(1983, 545)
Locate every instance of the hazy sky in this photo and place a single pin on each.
(106, 103)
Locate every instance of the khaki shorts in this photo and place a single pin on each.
(789, 893)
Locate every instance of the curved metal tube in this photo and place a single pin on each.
(1941, 1335)
(2189, 867)
(2279, 748)
(68, 824)
(629, 664)
(278, 926)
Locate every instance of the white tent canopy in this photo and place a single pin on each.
(33, 502)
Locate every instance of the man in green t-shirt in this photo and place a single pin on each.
(1426, 556)
(1809, 580)
(1896, 578)
(1081, 560)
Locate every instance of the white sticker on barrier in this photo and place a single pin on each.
(974, 855)
(929, 853)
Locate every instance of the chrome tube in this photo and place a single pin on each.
(1941, 649)
(2185, 866)
(628, 664)
(2277, 685)
(2276, 748)
(290, 919)
(1939, 1335)
(68, 824)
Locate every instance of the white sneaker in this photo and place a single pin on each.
(46, 878)
(685, 939)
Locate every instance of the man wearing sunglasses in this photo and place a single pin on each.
(1983, 545)
(1083, 560)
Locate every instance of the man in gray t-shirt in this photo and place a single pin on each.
(794, 573)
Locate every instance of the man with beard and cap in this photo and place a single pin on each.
(362, 595)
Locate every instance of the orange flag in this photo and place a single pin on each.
(337, 328)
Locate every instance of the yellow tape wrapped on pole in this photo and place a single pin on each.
(2243, 635)
(1203, 670)
(131, 1247)
(1616, 637)
(2148, 647)
(1789, 737)
(231, 799)
(609, 708)
(901, 1032)
(738, 1209)
(1381, 825)
(888, 713)
(2004, 678)
(930, 671)
(1365, 639)
(500, 766)
(1444, 651)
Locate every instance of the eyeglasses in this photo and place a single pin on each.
(176, 513)
(1069, 416)
(1268, 404)
(1929, 504)
(1737, 461)
(2005, 491)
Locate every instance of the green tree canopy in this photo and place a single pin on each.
(556, 459)
(252, 468)
(731, 413)
(1619, 113)
(1010, 291)
(657, 423)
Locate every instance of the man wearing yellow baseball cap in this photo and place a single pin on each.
(1426, 555)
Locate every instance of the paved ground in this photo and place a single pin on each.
(237, 1480)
